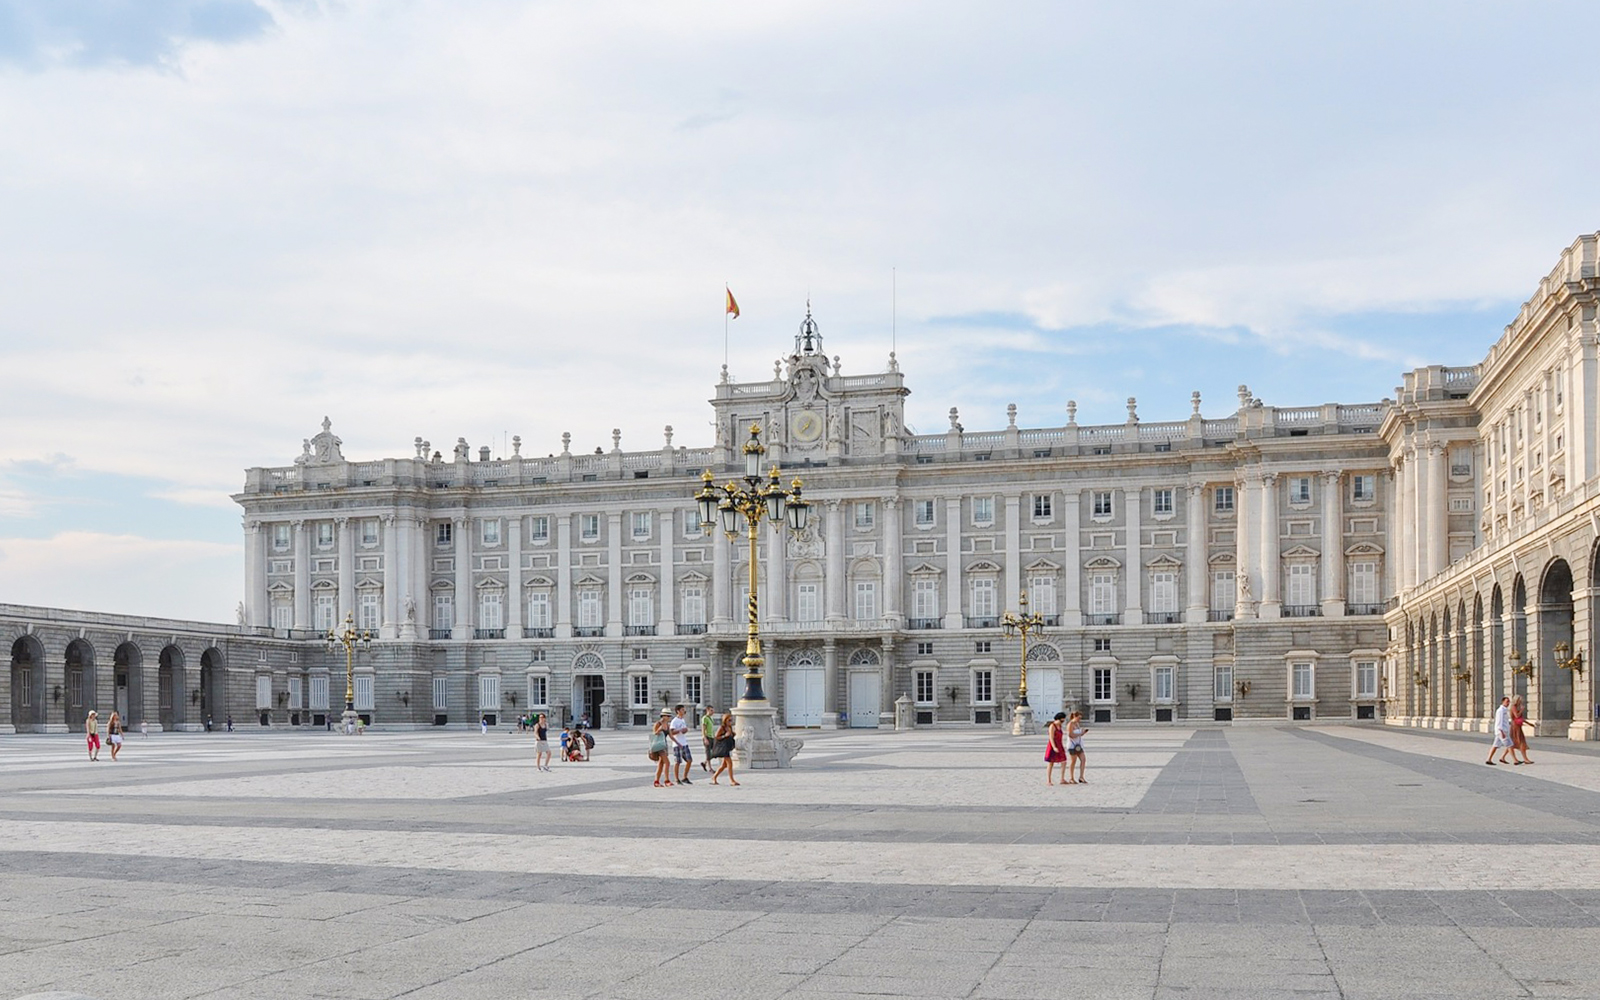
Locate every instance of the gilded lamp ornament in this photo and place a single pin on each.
(1015, 623)
(1520, 665)
(1568, 658)
(351, 638)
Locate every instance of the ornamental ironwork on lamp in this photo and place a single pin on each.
(1022, 623)
(1419, 678)
(347, 635)
(1568, 658)
(1519, 665)
(751, 502)
(1461, 674)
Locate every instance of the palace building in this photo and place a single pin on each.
(1403, 560)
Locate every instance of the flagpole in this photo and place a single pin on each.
(725, 293)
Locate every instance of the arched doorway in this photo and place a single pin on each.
(588, 687)
(1481, 682)
(803, 684)
(213, 687)
(27, 684)
(865, 688)
(1519, 636)
(1555, 630)
(1046, 685)
(127, 667)
(78, 698)
(171, 698)
(1497, 648)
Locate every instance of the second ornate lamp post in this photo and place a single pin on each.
(1022, 623)
(754, 717)
(347, 635)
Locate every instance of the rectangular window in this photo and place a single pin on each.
(983, 598)
(319, 692)
(324, 534)
(1366, 678)
(1364, 582)
(1043, 507)
(922, 511)
(865, 514)
(924, 649)
(691, 653)
(491, 609)
(1302, 584)
(922, 687)
(1222, 499)
(489, 693)
(1102, 644)
(641, 690)
(693, 689)
(536, 656)
(588, 608)
(641, 606)
(983, 646)
(363, 693)
(807, 605)
(280, 537)
(866, 600)
(1303, 680)
(1100, 503)
(983, 511)
(443, 534)
(1164, 592)
(1102, 684)
(369, 534)
(640, 654)
(643, 523)
(297, 693)
(1300, 489)
(263, 691)
(539, 609)
(441, 690)
(1102, 594)
(282, 616)
(369, 609)
(925, 597)
(538, 691)
(588, 527)
(1162, 677)
(1161, 501)
(1222, 682)
(694, 605)
(444, 611)
(1363, 489)
(983, 687)
(539, 529)
(1042, 594)
(1224, 590)
(489, 530)
(327, 611)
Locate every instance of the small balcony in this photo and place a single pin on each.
(488, 633)
(685, 628)
(924, 623)
(438, 633)
(589, 631)
(1111, 619)
(543, 632)
(1363, 609)
(983, 621)
(1164, 618)
(1051, 621)
(1215, 615)
(1302, 610)
(638, 630)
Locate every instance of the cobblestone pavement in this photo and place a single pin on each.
(1227, 863)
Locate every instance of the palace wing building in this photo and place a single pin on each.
(1406, 560)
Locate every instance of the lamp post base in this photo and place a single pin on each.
(349, 722)
(757, 744)
(1022, 722)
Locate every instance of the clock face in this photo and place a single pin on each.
(806, 426)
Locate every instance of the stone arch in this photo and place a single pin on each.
(78, 694)
(213, 686)
(1553, 617)
(27, 684)
(127, 682)
(1519, 632)
(1043, 652)
(1497, 645)
(171, 697)
(865, 657)
(1482, 683)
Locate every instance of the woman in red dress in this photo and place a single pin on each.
(1519, 739)
(1055, 750)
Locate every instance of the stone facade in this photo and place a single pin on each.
(1392, 560)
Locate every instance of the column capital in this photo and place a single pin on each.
(1332, 475)
(1269, 478)
(342, 520)
(458, 519)
(390, 518)
(297, 524)
(1196, 490)
(1435, 449)
(251, 526)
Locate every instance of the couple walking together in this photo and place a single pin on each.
(1509, 721)
(669, 746)
(1064, 746)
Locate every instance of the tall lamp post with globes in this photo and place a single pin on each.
(755, 720)
(1022, 623)
(347, 635)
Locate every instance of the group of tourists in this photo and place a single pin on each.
(1064, 746)
(1510, 719)
(669, 746)
(114, 730)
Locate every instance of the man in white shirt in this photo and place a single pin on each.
(1502, 731)
(680, 744)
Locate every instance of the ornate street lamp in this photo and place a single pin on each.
(347, 635)
(1014, 624)
(726, 506)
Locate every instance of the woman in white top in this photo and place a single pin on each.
(1076, 758)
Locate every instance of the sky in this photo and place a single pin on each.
(221, 220)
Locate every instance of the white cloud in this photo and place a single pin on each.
(124, 574)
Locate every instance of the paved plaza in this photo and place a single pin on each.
(1228, 863)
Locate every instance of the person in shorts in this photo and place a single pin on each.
(541, 743)
(682, 756)
(114, 733)
(1502, 731)
(708, 733)
(91, 730)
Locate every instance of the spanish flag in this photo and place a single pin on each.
(733, 307)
